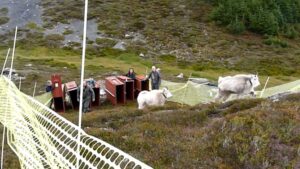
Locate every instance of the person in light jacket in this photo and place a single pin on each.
(88, 96)
(155, 78)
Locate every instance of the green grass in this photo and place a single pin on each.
(109, 60)
(68, 32)
(239, 133)
(3, 20)
(184, 26)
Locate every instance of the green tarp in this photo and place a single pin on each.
(191, 93)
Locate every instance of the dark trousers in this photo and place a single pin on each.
(155, 86)
(86, 105)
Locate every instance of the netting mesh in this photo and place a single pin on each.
(191, 93)
(288, 87)
(44, 98)
(43, 139)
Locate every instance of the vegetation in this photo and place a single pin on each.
(68, 32)
(3, 11)
(182, 29)
(276, 42)
(3, 20)
(3, 16)
(179, 37)
(237, 134)
(263, 17)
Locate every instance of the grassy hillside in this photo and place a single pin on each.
(184, 30)
(46, 61)
(179, 37)
(238, 134)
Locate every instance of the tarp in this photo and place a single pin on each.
(44, 98)
(288, 87)
(191, 93)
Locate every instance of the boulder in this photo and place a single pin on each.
(180, 76)
(120, 45)
(199, 80)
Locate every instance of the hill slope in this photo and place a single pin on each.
(239, 134)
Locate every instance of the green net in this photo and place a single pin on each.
(288, 87)
(44, 98)
(191, 93)
(42, 139)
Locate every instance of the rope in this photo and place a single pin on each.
(262, 92)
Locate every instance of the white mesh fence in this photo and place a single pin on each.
(43, 139)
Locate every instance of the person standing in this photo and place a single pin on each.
(88, 96)
(49, 89)
(131, 73)
(155, 78)
(48, 86)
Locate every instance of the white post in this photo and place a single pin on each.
(13, 53)
(184, 93)
(4, 65)
(33, 94)
(81, 83)
(20, 82)
(146, 71)
(262, 92)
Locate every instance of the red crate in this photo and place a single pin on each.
(115, 90)
(129, 86)
(57, 93)
(70, 88)
(140, 84)
(56, 86)
(96, 89)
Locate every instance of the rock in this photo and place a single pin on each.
(6, 71)
(107, 129)
(199, 80)
(180, 76)
(279, 96)
(125, 137)
(127, 36)
(120, 45)
(114, 73)
(142, 55)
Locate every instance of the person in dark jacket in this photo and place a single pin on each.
(131, 73)
(88, 96)
(49, 86)
(154, 76)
